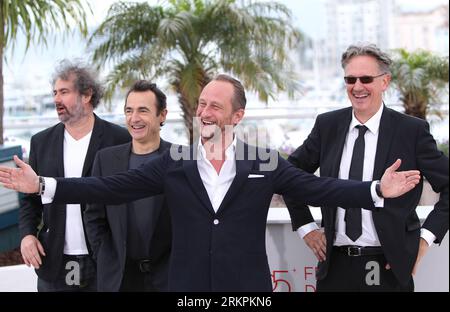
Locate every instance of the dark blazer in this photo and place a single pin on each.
(106, 227)
(397, 224)
(223, 251)
(46, 159)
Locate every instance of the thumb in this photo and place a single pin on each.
(19, 162)
(394, 166)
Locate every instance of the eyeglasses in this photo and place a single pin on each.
(363, 79)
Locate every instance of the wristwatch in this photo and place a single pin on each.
(41, 186)
(378, 189)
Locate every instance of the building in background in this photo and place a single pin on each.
(423, 30)
(383, 22)
(352, 21)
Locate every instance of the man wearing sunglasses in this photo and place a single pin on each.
(361, 250)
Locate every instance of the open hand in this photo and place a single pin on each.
(396, 183)
(22, 179)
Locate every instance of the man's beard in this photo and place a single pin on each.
(73, 116)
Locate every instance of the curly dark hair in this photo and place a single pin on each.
(85, 79)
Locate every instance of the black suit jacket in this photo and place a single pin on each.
(106, 227)
(397, 224)
(223, 250)
(48, 221)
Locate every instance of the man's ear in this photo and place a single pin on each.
(86, 98)
(162, 116)
(237, 116)
(386, 81)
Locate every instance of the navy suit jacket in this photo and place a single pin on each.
(223, 251)
(397, 224)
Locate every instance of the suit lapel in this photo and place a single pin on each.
(385, 137)
(195, 181)
(243, 168)
(341, 130)
(163, 146)
(94, 145)
(120, 160)
(59, 157)
(59, 166)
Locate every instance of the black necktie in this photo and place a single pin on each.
(353, 226)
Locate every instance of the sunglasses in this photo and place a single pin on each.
(362, 79)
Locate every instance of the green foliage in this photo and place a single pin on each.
(189, 41)
(421, 77)
(36, 19)
(443, 146)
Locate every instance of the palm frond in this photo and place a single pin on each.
(194, 39)
(420, 77)
(37, 18)
(128, 27)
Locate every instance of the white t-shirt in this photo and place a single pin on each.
(74, 156)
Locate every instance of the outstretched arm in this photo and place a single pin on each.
(147, 180)
(320, 191)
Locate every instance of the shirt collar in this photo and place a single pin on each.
(69, 138)
(230, 152)
(373, 124)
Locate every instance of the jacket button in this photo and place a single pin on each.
(216, 221)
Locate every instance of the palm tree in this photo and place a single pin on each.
(189, 41)
(35, 19)
(420, 77)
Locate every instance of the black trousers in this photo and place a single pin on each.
(360, 274)
(134, 280)
(77, 274)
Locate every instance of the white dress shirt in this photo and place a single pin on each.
(369, 235)
(217, 185)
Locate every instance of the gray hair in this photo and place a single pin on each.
(382, 58)
(85, 79)
(239, 100)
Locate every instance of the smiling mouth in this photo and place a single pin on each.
(137, 127)
(361, 96)
(208, 123)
